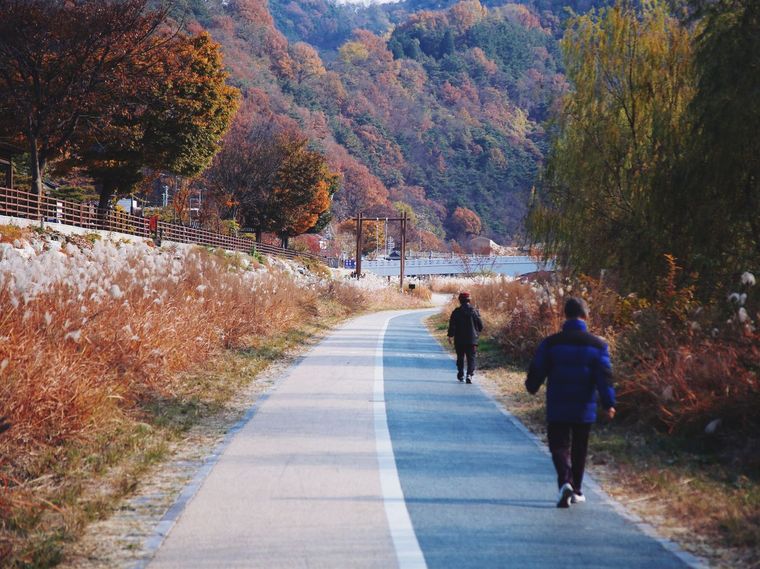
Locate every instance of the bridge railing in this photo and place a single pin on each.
(458, 265)
(25, 205)
(460, 259)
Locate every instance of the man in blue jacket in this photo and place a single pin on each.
(575, 365)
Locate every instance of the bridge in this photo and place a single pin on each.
(458, 265)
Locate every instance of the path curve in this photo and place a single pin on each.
(370, 454)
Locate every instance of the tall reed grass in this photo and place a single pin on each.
(92, 331)
(679, 365)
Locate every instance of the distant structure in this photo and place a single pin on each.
(486, 247)
(480, 245)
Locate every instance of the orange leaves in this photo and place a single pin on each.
(254, 12)
(466, 14)
(303, 189)
(464, 222)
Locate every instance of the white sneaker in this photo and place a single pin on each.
(577, 498)
(565, 495)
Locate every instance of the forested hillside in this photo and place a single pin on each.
(326, 25)
(443, 112)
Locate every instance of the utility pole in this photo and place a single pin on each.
(377, 238)
(359, 233)
(359, 246)
(403, 251)
(385, 237)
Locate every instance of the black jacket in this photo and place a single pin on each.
(465, 325)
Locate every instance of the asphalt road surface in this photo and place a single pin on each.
(370, 454)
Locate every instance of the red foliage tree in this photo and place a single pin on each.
(63, 61)
(171, 118)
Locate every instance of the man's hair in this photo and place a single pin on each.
(576, 308)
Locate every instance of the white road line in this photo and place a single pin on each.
(405, 542)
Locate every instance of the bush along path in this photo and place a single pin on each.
(682, 452)
(110, 352)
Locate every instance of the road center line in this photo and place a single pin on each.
(405, 542)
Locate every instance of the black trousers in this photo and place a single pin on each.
(465, 351)
(568, 443)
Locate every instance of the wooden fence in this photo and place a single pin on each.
(25, 205)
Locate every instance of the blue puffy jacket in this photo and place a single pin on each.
(577, 365)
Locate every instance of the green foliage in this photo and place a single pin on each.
(256, 255)
(166, 214)
(326, 24)
(78, 194)
(191, 113)
(656, 150)
(713, 208)
(619, 131)
(230, 227)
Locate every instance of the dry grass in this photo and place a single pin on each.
(702, 490)
(107, 351)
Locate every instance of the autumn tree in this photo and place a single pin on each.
(279, 183)
(374, 236)
(361, 190)
(59, 61)
(246, 168)
(301, 191)
(619, 130)
(171, 118)
(464, 223)
(306, 62)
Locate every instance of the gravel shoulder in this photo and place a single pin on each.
(121, 540)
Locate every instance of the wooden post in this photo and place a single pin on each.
(359, 245)
(403, 251)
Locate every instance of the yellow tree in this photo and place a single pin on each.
(306, 62)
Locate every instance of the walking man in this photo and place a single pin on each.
(465, 326)
(576, 365)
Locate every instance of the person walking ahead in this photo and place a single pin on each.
(576, 365)
(465, 326)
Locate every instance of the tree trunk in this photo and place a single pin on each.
(38, 167)
(107, 190)
(37, 171)
(34, 159)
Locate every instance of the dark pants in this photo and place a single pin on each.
(465, 350)
(568, 443)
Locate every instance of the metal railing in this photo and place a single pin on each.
(25, 205)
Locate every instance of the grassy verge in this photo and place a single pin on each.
(681, 486)
(111, 352)
(85, 481)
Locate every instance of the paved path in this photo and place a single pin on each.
(353, 464)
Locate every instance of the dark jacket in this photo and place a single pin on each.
(577, 365)
(465, 325)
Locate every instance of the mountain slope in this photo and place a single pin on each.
(443, 112)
